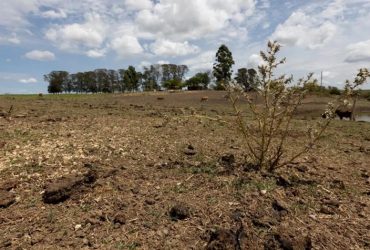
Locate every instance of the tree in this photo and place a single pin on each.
(103, 81)
(57, 81)
(173, 75)
(222, 68)
(150, 78)
(131, 79)
(247, 78)
(173, 84)
(121, 77)
(89, 80)
(199, 81)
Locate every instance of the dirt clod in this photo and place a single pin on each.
(287, 241)
(8, 185)
(149, 202)
(279, 205)
(179, 212)
(190, 150)
(228, 159)
(120, 218)
(222, 239)
(62, 189)
(283, 181)
(6, 199)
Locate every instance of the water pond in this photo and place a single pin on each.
(363, 117)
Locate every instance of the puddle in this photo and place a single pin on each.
(363, 118)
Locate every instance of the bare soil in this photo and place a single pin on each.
(150, 171)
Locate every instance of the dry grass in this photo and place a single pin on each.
(143, 140)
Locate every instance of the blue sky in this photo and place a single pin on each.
(38, 36)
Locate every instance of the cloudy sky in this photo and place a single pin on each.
(38, 36)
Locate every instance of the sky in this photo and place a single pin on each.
(38, 36)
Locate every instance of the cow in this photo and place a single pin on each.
(204, 99)
(343, 114)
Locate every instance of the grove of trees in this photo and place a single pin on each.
(163, 76)
(154, 77)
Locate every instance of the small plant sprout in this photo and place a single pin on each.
(272, 105)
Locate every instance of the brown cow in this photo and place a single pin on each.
(204, 99)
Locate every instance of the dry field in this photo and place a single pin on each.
(149, 171)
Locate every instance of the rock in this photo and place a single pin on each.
(190, 150)
(263, 191)
(6, 199)
(150, 202)
(179, 212)
(327, 210)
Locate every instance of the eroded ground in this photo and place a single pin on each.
(141, 172)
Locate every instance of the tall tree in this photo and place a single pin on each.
(102, 79)
(173, 75)
(131, 79)
(222, 68)
(57, 81)
(150, 78)
(247, 78)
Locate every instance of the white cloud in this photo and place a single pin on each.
(40, 55)
(163, 62)
(138, 4)
(305, 31)
(144, 64)
(12, 39)
(203, 61)
(164, 47)
(28, 80)
(96, 53)
(254, 61)
(126, 45)
(52, 14)
(178, 19)
(358, 52)
(13, 12)
(90, 34)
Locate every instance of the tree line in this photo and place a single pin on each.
(159, 77)
(153, 77)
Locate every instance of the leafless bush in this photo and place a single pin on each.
(266, 134)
